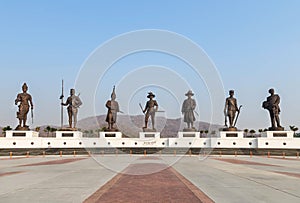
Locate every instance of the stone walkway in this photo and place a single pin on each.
(167, 185)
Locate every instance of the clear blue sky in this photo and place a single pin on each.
(254, 45)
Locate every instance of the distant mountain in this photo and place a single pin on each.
(130, 126)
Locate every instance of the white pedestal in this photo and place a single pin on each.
(68, 134)
(278, 134)
(144, 135)
(21, 134)
(188, 134)
(231, 134)
(278, 139)
(110, 134)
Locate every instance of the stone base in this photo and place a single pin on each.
(189, 130)
(149, 130)
(112, 130)
(276, 129)
(230, 129)
(67, 129)
(24, 128)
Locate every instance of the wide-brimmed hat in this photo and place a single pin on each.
(150, 94)
(189, 93)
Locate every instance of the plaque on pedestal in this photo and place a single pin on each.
(188, 134)
(144, 135)
(21, 134)
(231, 134)
(278, 134)
(68, 134)
(110, 135)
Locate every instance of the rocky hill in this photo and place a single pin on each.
(130, 126)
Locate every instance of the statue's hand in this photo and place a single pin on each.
(31, 107)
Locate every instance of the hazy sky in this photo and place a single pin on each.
(254, 45)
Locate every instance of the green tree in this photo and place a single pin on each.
(246, 132)
(252, 132)
(206, 132)
(293, 128)
(47, 130)
(52, 130)
(37, 129)
(5, 129)
(201, 132)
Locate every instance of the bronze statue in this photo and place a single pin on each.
(25, 102)
(150, 109)
(272, 105)
(73, 102)
(230, 110)
(188, 108)
(113, 109)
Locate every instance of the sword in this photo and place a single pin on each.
(32, 116)
(196, 113)
(237, 115)
(141, 107)
(225, 114)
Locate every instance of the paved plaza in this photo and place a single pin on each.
(150, 178)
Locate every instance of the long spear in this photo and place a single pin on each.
(62, 101)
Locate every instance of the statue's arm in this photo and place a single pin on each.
(236, 106)
(146, 107)
(194, 104)
(277, 101)
(107, 105)
(156, 105)
(30, 101)
(226, 105)
(118, 109)
(79, 101)
(67, 102)
(17, 99)
(183, 107)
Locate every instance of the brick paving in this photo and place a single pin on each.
(297, 175)
(11, 173)
(236, 161)
(62, 161)
(167, 185)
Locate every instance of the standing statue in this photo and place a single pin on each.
(272, 105)
(188, 108)
(23, 99)
(113, 109)
(150, 109)
(230, 110)
(73, 102)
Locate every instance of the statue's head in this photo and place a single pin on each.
(271, 91)
(231, 92)
(72, 91)
(113, 94)
(189, 94)
(150, 95)
(24, 87)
